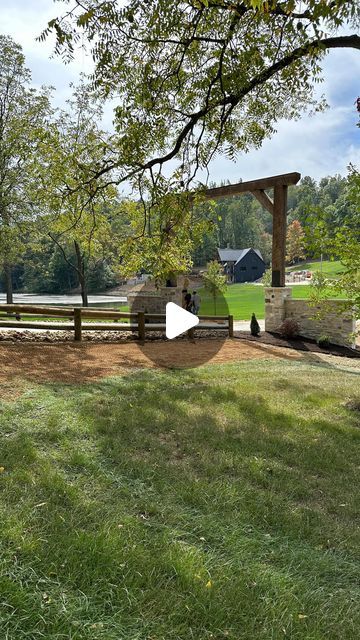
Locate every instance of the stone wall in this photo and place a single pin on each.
(333, 322)
(154, 301)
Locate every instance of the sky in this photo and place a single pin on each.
(321, 145)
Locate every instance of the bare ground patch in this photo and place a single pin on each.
(77, 363)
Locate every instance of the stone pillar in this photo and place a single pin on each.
(153, 301)
(170, 294)
(275, 306)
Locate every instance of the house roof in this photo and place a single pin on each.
(236, 255)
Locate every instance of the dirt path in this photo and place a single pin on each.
(72, 363)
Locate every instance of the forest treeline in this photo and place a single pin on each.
(239, 222)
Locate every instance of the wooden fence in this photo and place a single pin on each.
(18, 316)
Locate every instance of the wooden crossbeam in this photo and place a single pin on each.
(252, 185)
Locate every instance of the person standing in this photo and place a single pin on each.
(196, 301)
(188, 301)
(183, 301)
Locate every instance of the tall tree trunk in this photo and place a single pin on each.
(81, 274)
(84, 293)
(8, 283)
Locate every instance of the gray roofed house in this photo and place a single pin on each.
(242, 265)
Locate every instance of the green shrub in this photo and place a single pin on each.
(323, 341)
(267, 278)
(254, 326)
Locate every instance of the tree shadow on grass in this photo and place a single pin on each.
(145, 488)
(178, 427)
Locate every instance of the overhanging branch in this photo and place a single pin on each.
(314, 46)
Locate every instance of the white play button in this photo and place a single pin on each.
(178, 320)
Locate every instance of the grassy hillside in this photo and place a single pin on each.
(330, 268)
(243, 300)
(214, 504)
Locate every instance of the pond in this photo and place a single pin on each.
(73, 300)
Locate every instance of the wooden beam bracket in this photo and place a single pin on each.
(264, 200)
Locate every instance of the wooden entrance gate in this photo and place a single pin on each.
(277, 207)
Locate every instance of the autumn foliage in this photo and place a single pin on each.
(295, 243)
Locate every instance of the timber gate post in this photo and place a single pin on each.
(141, 325)
(231, 326)
(77, 324)
(279, 236)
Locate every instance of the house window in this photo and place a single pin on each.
(254, 267)
(242, 268)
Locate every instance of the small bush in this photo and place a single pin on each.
(267, 277)
(289, 328)
(323, 341)
(254, 326)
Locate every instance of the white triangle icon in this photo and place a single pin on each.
(178, 320)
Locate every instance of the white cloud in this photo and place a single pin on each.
(319, 145)
(24, 22)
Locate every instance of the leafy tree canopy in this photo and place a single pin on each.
(341, 243)
(197, 77)
(194, 78)
(23, 114)
(214, 281)
(75, 209)
(295, 242)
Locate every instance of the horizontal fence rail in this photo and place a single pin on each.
(16, 316)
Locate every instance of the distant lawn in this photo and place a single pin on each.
(220, 503)
(243, 300)
(330, 268)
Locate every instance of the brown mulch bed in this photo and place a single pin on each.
(299, 344)
(86, 362)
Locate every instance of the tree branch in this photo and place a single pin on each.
(352, 41)
(63, 253)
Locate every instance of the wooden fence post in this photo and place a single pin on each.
(231, 326)
(141, 325)
(77, 324)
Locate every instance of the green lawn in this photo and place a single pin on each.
(209, 504)
(244, 299)
(330, 268)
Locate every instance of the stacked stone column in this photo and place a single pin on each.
(154, 301)
(275, 311)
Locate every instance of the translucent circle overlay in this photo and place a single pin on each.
(191, 349)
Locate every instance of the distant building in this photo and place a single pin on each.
(242, 265)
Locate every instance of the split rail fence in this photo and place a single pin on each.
(19, 316)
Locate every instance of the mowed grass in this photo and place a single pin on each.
(330, 268)
(242, 300)
(216, 503)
